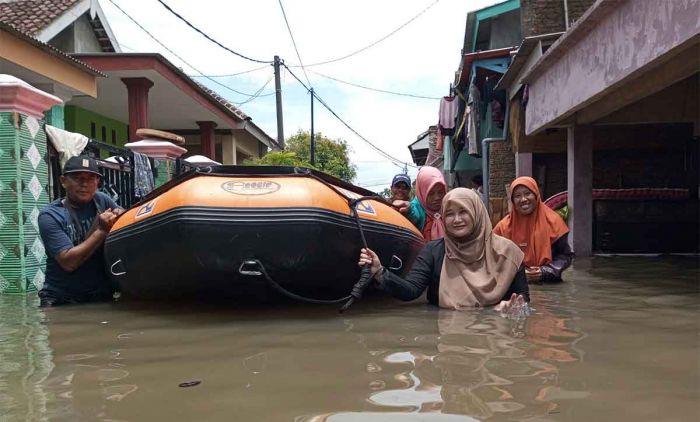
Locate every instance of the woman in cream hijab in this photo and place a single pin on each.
(469, 268)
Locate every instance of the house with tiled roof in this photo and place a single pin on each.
(147, 90)
(60, 64)
(29, 69)
(139, 90)
(72, 26)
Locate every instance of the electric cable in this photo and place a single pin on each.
(227, 75)
(403, 94)
(289, 28)
(367, 141)
(337, 59)
(208, 37)
(178, 56)
(327, 107)
(257, 94)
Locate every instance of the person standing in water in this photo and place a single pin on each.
(74, 230)
(539, 231)
(400, 188)
(424, 211)
(469, 268)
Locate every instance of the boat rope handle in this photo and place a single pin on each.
(111, 269)
(365, 274)
(394, 257)
(247, 268)
(262, 271)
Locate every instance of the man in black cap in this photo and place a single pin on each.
(400, 188)
(74, 230)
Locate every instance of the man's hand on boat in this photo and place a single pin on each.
(401, 206)
(368, 257)
(105, 220)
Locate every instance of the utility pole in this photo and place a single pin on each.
(313, 136)
(278, 96)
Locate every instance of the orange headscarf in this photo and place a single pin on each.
(536, 232)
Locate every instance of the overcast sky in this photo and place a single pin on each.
(419, 59)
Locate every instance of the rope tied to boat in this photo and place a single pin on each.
(357, 290)
(365, 274)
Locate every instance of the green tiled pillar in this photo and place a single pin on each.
(23, 184)
(165, 170)
(164, 155)
(55, 117)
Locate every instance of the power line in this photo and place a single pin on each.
(337, 59)
(228, 75)
(301, 63)
(177, 55)
(295, 77)
(208, 37)
(376, 148)
(373, 89)
(257, 94)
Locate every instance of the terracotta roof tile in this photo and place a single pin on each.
(49, 49)
(224, 102)
(31, 16)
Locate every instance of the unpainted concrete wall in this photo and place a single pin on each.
(77, 38)
(627, 39)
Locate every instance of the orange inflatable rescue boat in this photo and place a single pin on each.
(249, 232)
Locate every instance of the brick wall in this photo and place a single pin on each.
(547, 16)
(501, 168)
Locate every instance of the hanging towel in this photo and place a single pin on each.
(68, 144)
(143, 175)
(474, 117)
(448, 112)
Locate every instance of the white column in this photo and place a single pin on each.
(228, 149)
(579, 156)
(523, 164)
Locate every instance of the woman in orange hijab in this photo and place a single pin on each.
(538, 231)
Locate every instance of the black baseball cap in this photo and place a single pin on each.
(401, 178)
(79, 164)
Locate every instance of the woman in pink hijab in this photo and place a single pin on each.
(424, 210)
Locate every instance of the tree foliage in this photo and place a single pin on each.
(331, 155)
(279, 158)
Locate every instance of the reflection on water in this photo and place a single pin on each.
(25, 359)
(617, 341)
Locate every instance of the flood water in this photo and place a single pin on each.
(618, 341)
